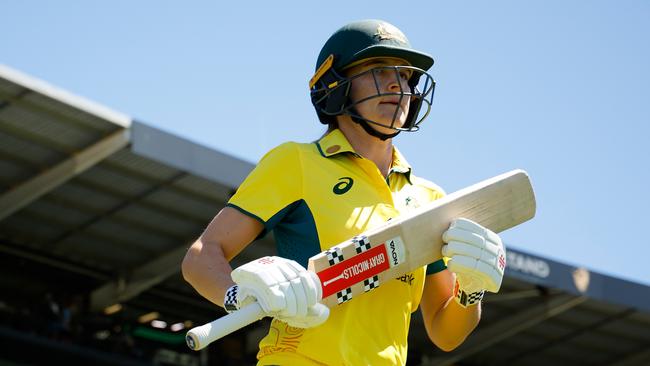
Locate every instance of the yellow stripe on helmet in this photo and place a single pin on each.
(322, 69)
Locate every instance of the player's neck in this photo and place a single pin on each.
(370, 147)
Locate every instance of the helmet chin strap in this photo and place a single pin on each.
(369, 129)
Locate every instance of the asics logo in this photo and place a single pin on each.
(344, 185)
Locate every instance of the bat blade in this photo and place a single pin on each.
(401, 245)
(414, 240)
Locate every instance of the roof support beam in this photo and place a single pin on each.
(487, 337)
(565, 338)
(35, 187)
(639, 358)
(154, 272)
(138, 280)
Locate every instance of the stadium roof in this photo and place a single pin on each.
(93, 202)
(92, 192)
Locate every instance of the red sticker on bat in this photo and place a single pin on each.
(354, 270)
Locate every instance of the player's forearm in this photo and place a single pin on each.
(207, 270)
(452, 324)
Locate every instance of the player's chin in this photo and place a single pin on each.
(388, 117)
(389, 123)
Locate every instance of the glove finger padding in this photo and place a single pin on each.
(489, 254)
(462, 235)
(469, 226)
(296, 299)
(283, 288)
(316, 315)
(261, 279)
(470, 244)
(290, 269)
(312, 285)
(272, 299)
(475, 275)
(304, 291)
(476, 254)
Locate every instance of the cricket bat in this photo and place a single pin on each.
(397, 247)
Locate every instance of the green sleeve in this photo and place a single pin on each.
(436, 267)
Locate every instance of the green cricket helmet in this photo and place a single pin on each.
(363, 40)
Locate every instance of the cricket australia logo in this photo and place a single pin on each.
(344, 185)
(411, 203)
(389, 32)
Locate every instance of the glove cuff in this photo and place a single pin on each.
(230, 299)
(466, 299)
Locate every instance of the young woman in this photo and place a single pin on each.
(369, 85)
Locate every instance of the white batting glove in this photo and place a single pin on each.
(283, 288)
(477, 257)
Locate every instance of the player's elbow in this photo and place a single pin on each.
(449, 337)
(189, 264)
(445, 340)
(446, 344)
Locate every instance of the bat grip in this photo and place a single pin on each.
(199, 337)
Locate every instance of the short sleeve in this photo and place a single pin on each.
(429, 191)
(273, 185)
(437, 266)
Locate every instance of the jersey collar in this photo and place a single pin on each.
(400, 165)
(335, 143)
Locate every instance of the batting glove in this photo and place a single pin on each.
(477, 257)
(282, 287)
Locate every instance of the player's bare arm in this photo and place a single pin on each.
(446, 322)
(283, 288)
(476, 263)
(205, 265)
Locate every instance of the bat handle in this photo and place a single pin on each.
(199, 337)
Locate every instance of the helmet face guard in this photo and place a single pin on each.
(331, 95)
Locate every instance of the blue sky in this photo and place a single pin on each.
(558, 88)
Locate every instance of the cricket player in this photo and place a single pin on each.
(369, 86)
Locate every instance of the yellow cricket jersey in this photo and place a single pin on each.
(314, 196)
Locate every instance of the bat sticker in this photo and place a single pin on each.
(395, 247)
(366, 264)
